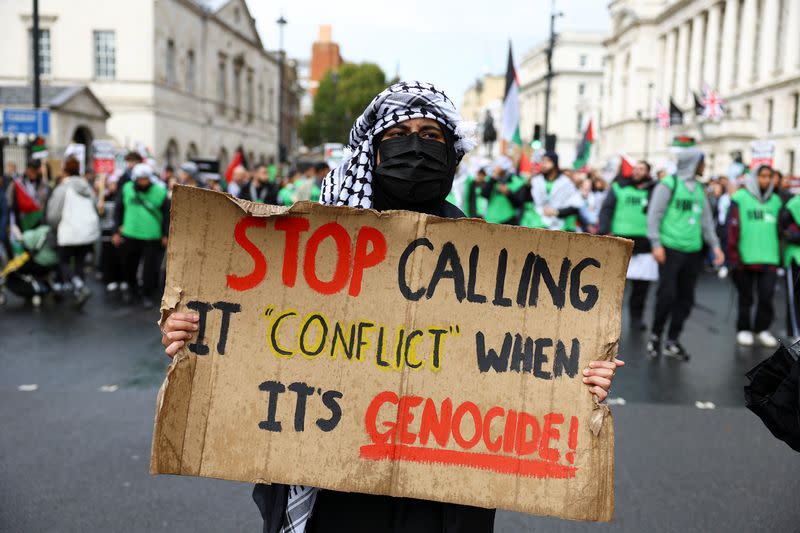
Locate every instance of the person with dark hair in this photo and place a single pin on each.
(624, 214)
(789, 225)
(403, 157)
(132, 158)
(142, 226)
(679, 221)
(262, 188)
(72, 212)
(754, 254)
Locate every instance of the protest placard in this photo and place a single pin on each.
(390, 353)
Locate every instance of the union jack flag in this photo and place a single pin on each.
(713, 103)
(662, 116)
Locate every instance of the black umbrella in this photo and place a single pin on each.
(774, 395)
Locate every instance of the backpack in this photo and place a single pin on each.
(79, 224)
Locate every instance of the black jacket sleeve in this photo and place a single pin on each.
(165, 208)
(119, 210)
(488, 187)
(607, 212)
(789, 229)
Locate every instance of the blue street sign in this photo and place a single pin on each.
(34, 121)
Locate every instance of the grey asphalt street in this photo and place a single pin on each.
(77, 396)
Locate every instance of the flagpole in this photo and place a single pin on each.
(549, 79)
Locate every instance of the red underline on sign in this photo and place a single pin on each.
(501, 464)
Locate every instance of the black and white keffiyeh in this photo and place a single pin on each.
(350, 183)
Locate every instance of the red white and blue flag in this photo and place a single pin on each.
(662, 115)
(712, 104)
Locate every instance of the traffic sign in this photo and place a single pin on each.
(33, 121)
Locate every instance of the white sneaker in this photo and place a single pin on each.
(722, 273)
(113, 286)
(123, 286)
(765, 338)
(745, 338)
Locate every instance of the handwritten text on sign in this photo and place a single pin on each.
(418, 353)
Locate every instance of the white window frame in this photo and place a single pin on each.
(105, 65)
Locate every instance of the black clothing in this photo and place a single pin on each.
(764, 281)
(351, 512)
(266, 193)
(793, 300)
(641, 245)
(636, 300)
(72, 261)
(136, 250)
(677, 278)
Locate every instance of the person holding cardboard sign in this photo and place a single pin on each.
(405, 148)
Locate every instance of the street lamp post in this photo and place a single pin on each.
(37, 98)
(281, 22)
(549, 77)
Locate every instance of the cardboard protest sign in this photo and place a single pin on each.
(393, 353)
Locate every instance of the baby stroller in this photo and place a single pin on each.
(28, 274)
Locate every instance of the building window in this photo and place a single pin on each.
(190, 67)
(44, 52)
(171, 153)
(579, 122)
(222, 86)
(237, 87)
(581, 89)
(105, 55)
(748, 111)
(582, 60)
(795, 110)
(790, 162)
(170, 79)
(770, 109)
(271, 103)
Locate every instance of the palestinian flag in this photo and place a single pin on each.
(30, 211)
(626, 166)
(511, 103)
(238, 160)
(584, 149)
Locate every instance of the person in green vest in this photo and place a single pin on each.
(499, 191)
(679, 221)
(789, 224)
(552, 201)
(754, 255)
(142, 226)
(624, 214)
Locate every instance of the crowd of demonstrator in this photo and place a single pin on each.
(745, 225)
(115, 225)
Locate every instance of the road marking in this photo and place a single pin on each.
(705, 405)
(616, 401)
(28, 388)
(108, 388)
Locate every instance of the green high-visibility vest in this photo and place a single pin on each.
(142, 217)
(792, 251)
(681, 227)
(630, 212)
(500, 209)
(530, 217)
(480, 201)
(758, 229)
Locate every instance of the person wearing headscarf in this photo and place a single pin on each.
(679, 221)
(754, 254)
(403, 154)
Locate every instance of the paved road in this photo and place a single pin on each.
(74, 451)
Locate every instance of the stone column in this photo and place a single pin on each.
(747, 42)
(729, 42)
(682, 65)
(696, 55)
(767, 60)
(791, 58)
(669, 71)
(710, 65)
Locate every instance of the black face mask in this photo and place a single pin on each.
(414, 174)
(142, 188)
